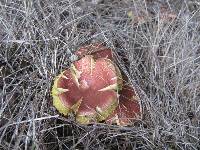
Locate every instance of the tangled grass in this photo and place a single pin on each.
(160, 54)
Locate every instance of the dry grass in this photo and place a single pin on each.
(38, 39)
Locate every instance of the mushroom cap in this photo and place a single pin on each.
(128, 109)
(88, 88)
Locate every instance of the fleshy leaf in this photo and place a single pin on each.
(128, 109)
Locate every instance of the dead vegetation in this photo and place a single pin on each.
(157, 46)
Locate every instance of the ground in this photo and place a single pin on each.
(156, 44)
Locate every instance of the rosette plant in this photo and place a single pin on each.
(92, 88)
